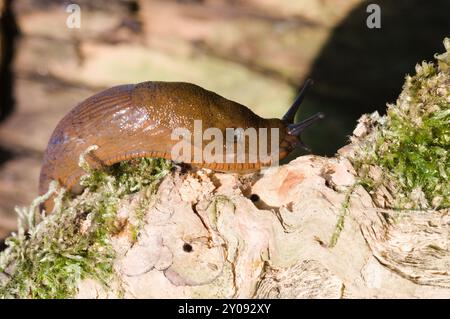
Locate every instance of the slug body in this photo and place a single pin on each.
(133, 121)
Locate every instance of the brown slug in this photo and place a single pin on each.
(134, 121)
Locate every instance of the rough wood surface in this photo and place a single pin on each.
(204, 237)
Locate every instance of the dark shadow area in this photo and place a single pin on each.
(8, 33)
(5, 155)
(359, 70)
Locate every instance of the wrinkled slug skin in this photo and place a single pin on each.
(132, 121)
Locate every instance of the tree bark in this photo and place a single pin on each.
(206, 237)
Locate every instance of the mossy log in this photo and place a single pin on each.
(372, 222)
(204, 237)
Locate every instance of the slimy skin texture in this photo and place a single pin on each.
(133, 121)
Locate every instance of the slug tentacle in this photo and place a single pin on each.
(297, 128)
(289, 117)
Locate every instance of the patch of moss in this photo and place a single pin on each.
(412, 142)
(138, 219)
(48, 256)
(341, 219)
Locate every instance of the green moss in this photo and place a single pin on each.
(138, 220)
(341, 219)
(411, 143)
(50, 254)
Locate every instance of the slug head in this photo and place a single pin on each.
(292, 131)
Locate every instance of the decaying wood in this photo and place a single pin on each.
(204, 237)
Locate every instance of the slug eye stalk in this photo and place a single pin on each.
(297, 128)
(290, 114)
